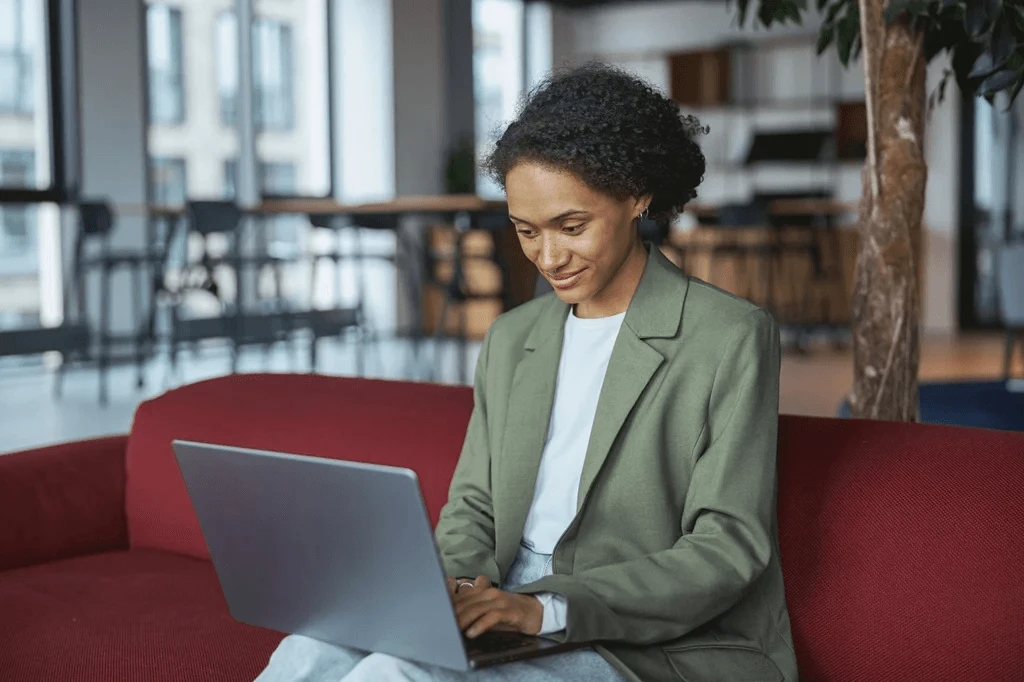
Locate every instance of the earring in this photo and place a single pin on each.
(643, 215)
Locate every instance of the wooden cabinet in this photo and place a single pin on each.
(483, 279)
(701, 78)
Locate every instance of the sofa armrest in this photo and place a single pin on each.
(62, 501)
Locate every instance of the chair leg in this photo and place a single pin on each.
(58, 381)
(1008, 354)
(104, 335)
(137, 322)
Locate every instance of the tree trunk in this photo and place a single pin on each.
(885, 300)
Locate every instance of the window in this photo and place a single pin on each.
(17, 223)
(273, 101)
(166, 68)
(168, 181)
(226, 53)
(272, 56)
(498, 74)
(17, 87)
(275, 179)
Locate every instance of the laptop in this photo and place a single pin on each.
(342, 552)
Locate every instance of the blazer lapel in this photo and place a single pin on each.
(632, 365)
(529, 411)
(654, 312)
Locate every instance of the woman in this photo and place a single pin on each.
(617, 483)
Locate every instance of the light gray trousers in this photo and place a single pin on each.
(302, 659)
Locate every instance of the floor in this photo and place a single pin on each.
(812, 383)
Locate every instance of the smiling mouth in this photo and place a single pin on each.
(565, 281)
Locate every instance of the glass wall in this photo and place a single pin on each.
(25, 155)
(498, 74)
(290, 96)
(998, 206)
(188, 140)
(166, 65)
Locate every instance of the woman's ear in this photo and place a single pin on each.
(642, 204)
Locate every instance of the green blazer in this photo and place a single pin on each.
(671, 566)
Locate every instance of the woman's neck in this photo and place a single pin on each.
(615, 297)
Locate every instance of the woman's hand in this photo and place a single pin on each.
(460, 585)
(480, 609)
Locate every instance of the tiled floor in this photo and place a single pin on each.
(30, 415)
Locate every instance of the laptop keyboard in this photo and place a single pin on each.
(495, 642)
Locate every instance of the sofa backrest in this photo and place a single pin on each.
(902, 550)
(902, 545)
(420, 426)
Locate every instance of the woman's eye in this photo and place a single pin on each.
(572, 229)
(526, 233)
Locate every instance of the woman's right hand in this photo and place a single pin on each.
(458, 586)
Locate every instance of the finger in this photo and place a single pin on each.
(473, 612)
(490, 620)
(452, 589)
(473, 594)
(482, 582)
(464, 600)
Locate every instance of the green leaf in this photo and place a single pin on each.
(893, 9)
(974, 18)
(1018, 11)
(792, 12)
(834, 10)
(984, 66)
(943, 84)
(1002, 41)
(825, 37)
(1016, 90)
(998, 82)
(848, 32)
(742, 10)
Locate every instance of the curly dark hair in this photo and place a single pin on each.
(613, 131)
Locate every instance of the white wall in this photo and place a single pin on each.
(364, 102)
(640, 36)
(113, 125)
(419, 87)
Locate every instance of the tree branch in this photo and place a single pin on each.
(869, 102)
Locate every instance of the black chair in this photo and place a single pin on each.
(208, 219)
(96, 221)
(455, 292)
(333, 321)
(1011, 300)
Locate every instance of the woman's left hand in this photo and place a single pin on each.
(480, 610)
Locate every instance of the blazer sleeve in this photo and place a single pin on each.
(727, 521)
(465, 529)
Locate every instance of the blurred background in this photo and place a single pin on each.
(190, 188)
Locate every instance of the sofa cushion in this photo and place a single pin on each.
(128, 615)
(61, 501)
(902, 550)
(420, 426)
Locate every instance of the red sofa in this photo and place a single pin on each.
(902, 545)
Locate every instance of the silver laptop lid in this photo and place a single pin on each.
(338, 551)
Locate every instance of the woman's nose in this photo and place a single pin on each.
(551, 256)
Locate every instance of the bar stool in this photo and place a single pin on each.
(96, 222)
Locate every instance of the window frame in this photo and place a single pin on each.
(62, 56)
(182, 109)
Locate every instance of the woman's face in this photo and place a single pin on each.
(582, 241)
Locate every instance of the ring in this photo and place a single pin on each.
(463, 584)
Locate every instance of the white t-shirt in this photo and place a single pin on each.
(586, 350)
